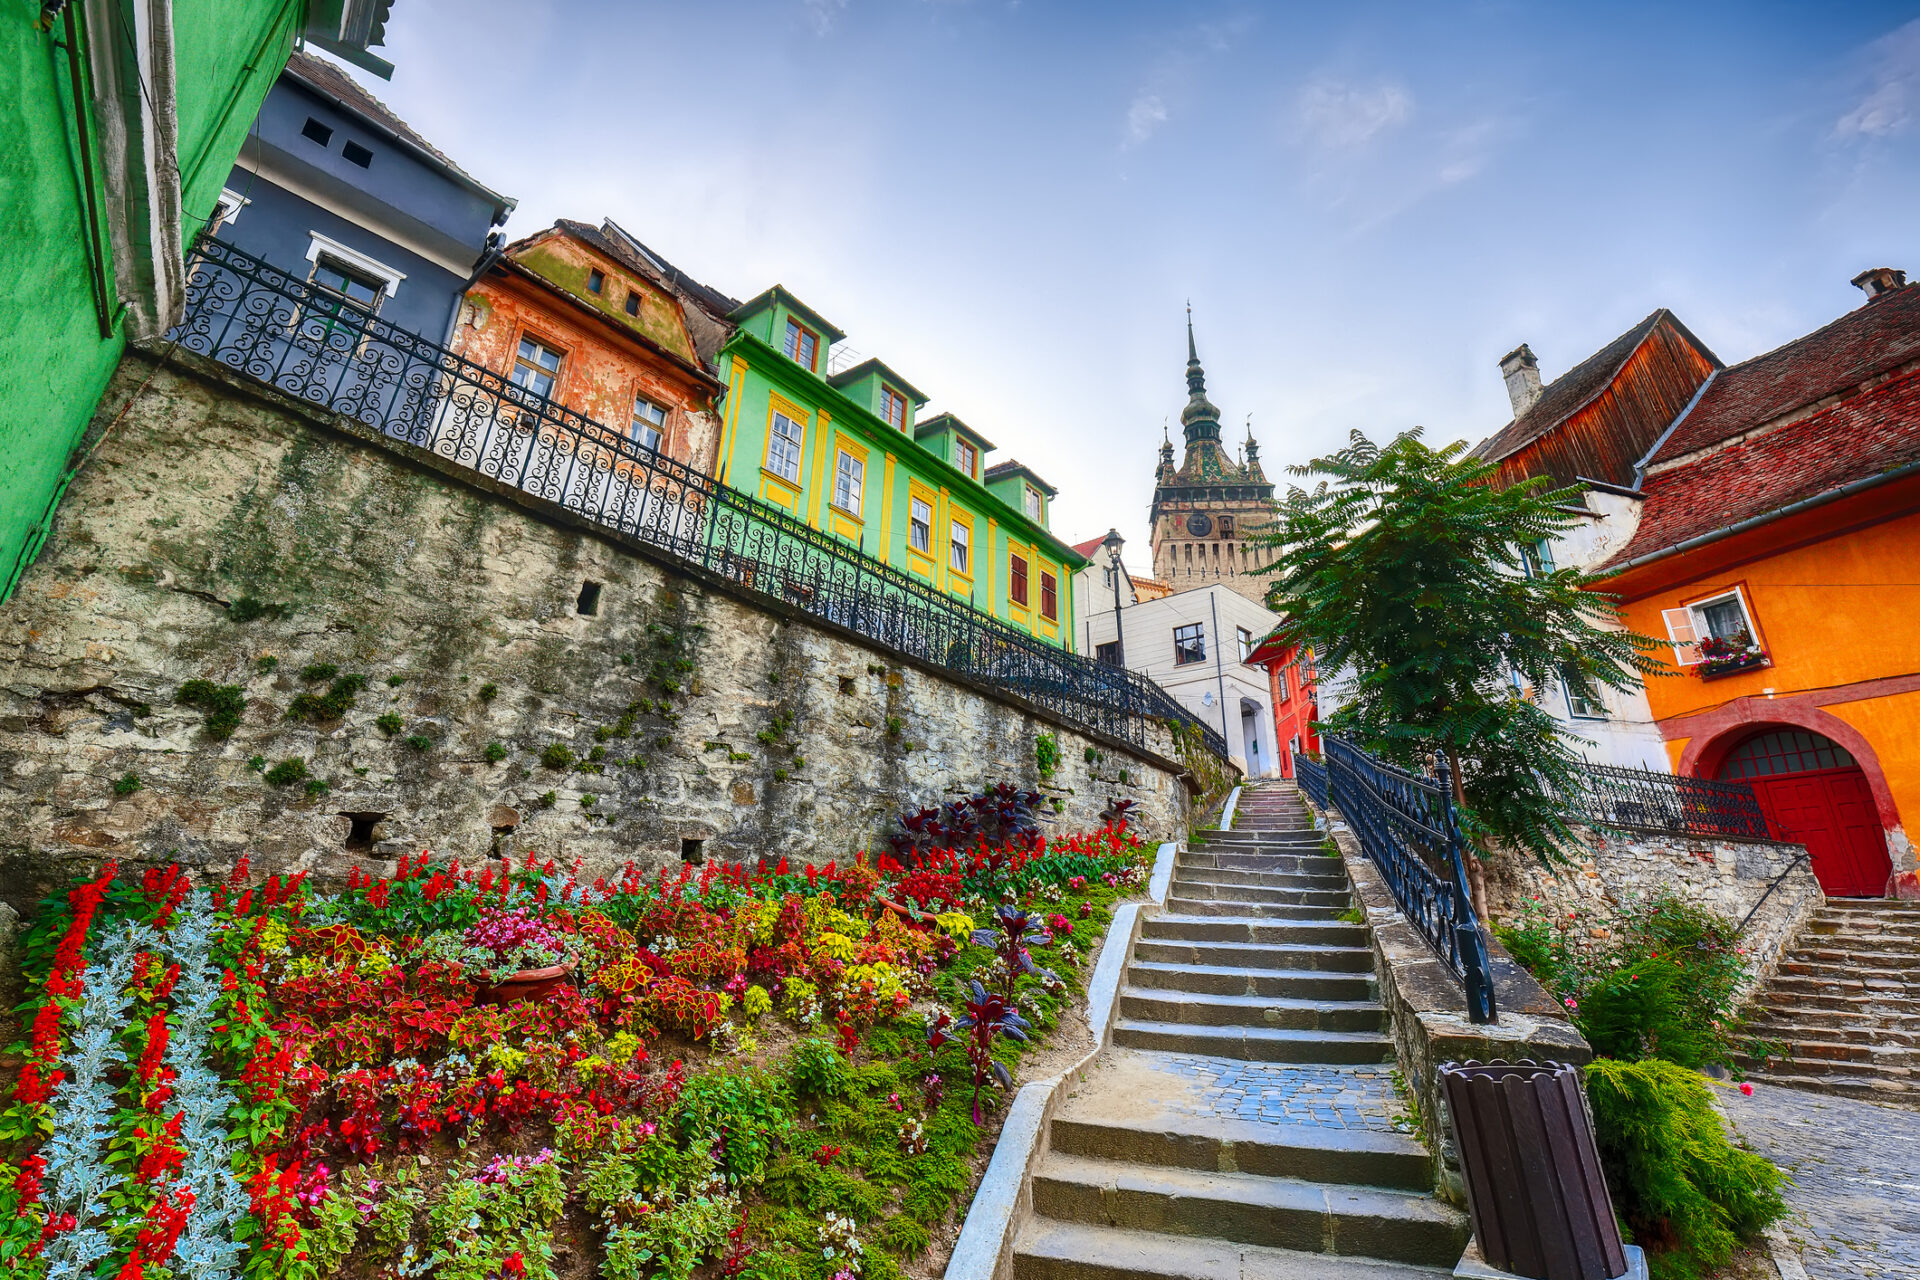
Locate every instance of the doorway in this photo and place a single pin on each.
(1814, 793)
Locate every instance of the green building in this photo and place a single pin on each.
(126, 117)
(847, 453)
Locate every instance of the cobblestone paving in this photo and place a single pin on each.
(1856, 1178)
(1340, 1097)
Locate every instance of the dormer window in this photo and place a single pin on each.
(802, 345)
(893, 407)
(967, 459)
(1033, 507)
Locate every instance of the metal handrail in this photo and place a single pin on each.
(1643, 800)
(312, 344)
(1408, 827)
(1311, 774)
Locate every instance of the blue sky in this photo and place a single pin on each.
(1010, 201)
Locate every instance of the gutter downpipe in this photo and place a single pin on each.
(1219, 671)
(1754, 522)
(1640, 467)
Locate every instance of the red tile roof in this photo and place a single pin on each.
(1562, 397)
(1090, 546)
(1860, 436)
(1867, 341)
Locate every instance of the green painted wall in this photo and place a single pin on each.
(55, 363)
(757, 372)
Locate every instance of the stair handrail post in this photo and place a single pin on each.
(1470, 935)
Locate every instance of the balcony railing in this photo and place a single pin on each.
(1642, 800)
(1407, 826)
(310, 343)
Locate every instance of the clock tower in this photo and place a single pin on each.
(1205, 511)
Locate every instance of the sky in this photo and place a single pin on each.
(1012, 202)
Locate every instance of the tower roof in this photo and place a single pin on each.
(1200, 420)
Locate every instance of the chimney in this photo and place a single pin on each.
(1522, 373)
(1878, 280)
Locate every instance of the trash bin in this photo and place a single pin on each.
(1539, 1200)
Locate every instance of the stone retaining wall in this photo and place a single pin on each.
(229, 534)
(1620, 870)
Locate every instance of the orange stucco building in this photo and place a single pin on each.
(1776, 550)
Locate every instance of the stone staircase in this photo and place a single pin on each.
(1845, 1005)
(1243, 1123)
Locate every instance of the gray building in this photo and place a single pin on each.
(333, 188)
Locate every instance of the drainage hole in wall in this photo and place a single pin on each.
(589, 604)
(693, 851)
(360, 834)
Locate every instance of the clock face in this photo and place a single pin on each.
(1198, 525)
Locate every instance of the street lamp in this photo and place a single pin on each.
(1113, 542)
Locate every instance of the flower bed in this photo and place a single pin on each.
(772, 1073)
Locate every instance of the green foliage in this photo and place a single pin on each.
(588, 800)
(494, 753)
(248, 608)
(420, 742)
(597, 753)
(257, 763)
(746, 1114)
(557, 755)
(1352, 915)
(319, 671)
(395, 681)
(223, 704)
(317, 787)
(127, 783)
(1093, 755)
(489, 691)
(895, 726)
(266, 663)
(330, 705)
(289, 771)
(1688, 1194)
(389, 724)
(1408, 566)
(1046, 754)
(548, 799)
(818, 1068)
(473, 1226)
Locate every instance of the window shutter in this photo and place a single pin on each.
(1686, 648)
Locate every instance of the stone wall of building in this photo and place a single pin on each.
(1619, 871)
(229, 535)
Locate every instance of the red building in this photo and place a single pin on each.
(1291, 684)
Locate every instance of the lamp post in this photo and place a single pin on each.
(1112, 543)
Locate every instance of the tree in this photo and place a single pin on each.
(1411, 571)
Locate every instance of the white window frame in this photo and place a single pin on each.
(920, 525)
(390, 277)
(784, 451)
(1035, 504)
(960, 548)
(648, 430)
(1686, 627)
(849, 478)
(226, 210)
(1245, 638)
(1595, 711)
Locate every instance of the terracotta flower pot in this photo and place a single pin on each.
(528, 984)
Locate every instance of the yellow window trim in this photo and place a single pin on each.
(961, 516)
(776, 403)
(730, 430)
(886, 515)
(854, 449)
(917, 490)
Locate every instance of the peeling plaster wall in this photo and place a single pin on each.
(385, 562)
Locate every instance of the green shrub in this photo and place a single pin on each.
(223, 704)
(494, 753)
(248, 608)
(489, 691)
(557, 755)
(818, 1068)
(127, 783)
(743, 1115)
(394, 682)
(420, 742)
(1688, 1194)
(265, 663)
(289, 771)
(389, 724)
(318, 671)
(330, 705)
(1046, 754)
(317, 787)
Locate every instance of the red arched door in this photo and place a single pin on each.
(1814, 794)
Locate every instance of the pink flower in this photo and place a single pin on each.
(1747, 1089)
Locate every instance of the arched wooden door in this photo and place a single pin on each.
(1815, 794)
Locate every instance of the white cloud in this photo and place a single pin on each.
(1338, 115)
(1146, 114)
(1887, 106)
(822, 13)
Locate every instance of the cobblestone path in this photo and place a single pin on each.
(1856, 1174)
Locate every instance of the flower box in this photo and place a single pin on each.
(527, 984)
(1726, 657)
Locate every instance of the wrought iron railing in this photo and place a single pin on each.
(1642, 800)
(1312, 777)
(1408, 827)
(312, 344)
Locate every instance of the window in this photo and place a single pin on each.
(314, 131)
(536, 367)
(893, 407)
(848, 473)
(801, 346)
(783, 448)
(1286, 684)
(1189, 644)
(1033, 503)
(1049, 597)
(965, 458)
(588, 604)
(349, 283)
(648, 419)
(227, 209)
(596, 281)
(1723, 618)
(357, 154)
(1537, 559)
(920, 526)
(1226, 526)
(1108, 653)
(633, 302)
(1583, 708)
(1785, 751)
(960, 555)
(1246, 642)
(1017, 580)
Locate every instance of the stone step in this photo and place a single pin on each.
(1311, 862)
(1242, 841)
(1829, 993)
(1202, 1008)
(1792, 1028)
(1181, 1140)
(1863, 931)
(1857, 1014)
(1822, 1066)
(1262, 955)
(1319, 876)
(1252, 910)
(1275, 1213)
(1202, 928)
(1868, 1088)
(1234, 980)
(1255, 1044)
(1049, 1250)
(1209, 890)
(1864, 1053)
(1904, 963)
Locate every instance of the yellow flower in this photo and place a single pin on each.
(505, 1056)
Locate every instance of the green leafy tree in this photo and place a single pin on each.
(1416, 577)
